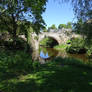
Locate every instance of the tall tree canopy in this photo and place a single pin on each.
(83, 11)
(13, 11)
(82, 8)
(61, 26)
(52, 27)
(68, 25)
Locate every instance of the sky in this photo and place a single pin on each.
(58, 13)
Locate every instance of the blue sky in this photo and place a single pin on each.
(57, 13)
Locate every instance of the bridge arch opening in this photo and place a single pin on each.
(49, 42)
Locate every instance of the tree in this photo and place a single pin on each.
(69, 25)
(13, 11)
(83, 11)
(82, 8)
(45, 29)
(62, 26)
(52, 27)
(78, 27)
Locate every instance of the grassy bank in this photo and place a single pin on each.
(61, 47)
(18, 73)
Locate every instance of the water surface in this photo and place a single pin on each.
(45, 54)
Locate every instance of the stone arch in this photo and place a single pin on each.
(54, 39)
(46, 36)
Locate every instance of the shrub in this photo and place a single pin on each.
(77, 46)
(15, 63)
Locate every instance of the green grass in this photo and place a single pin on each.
(61, 47)
(19, 74)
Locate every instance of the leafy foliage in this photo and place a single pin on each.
(45, 30)
(83, 12)
(13, 11)
(62, 26)
(77, 46)
(68, 25)
(78, 27)
(83, 9)
(53, 27)
(61, 47)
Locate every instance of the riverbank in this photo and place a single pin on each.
(61, 47)
(20, 73)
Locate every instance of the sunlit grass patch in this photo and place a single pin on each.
(61, 47)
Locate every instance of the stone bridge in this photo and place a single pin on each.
(61, 36)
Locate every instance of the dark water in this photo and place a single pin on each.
(48, 53)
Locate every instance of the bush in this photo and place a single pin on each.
(68, 42)
(77, 46)
(20, 44)
(15, 62)
(89, 53)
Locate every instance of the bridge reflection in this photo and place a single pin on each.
(46, 54)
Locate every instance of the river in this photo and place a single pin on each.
(46, 54)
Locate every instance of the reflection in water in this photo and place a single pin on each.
(49, 51)
(45, 54)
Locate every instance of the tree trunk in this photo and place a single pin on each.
(14, 35)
